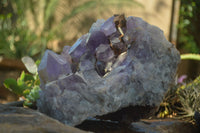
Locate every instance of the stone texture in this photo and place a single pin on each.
(164, 126)
(143, 126)
(197, 118)
(24, 120)
(140, 72)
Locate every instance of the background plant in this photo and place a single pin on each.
(189, 96)
(189, 29)
(16, 39)
(190, 56)
(27, 85)
(25, 27)
(182, 99)
(18, 42)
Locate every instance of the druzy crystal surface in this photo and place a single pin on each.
(106, 70)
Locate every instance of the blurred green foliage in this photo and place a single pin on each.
(16, 42)
(17, 38)
(26, 85)
(189, 29)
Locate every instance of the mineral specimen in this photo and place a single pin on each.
(105, 71)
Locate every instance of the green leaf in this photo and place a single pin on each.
(22, 76)
(50, 8)
(20, 82)
(30, 64)
(31, 96)
(29, 77)
(12, 85)
(37, 62)
(37, 81)
(34, 94)
(28, 103)
(26, 92)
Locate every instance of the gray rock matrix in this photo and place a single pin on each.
(105, 71)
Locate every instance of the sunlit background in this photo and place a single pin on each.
(55, 23)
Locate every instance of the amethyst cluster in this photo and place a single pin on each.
(120, 62)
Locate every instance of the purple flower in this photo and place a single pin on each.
(181, 79)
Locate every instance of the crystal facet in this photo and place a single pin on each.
(52, 66)
(108, 27)
(96, 38)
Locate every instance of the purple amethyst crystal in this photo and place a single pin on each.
(66, 50)
(108, 27)
(52, 66)
(65, 54)
(79, 48)
(97, 25)
(87, 62)
(110, 68)
(104, 53)
(100, 67)
(118, 46)
(96, 38)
